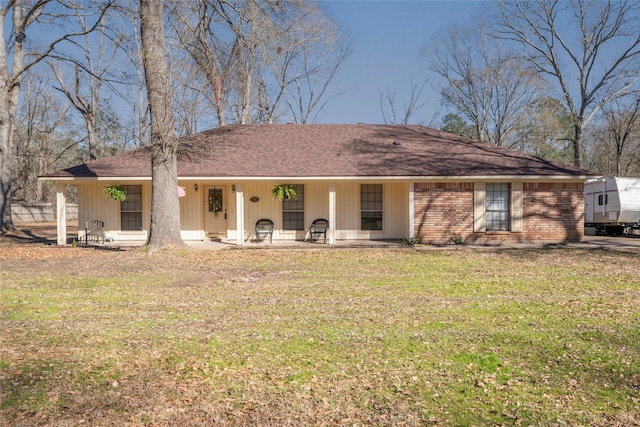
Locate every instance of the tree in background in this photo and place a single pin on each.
(260, 59)
(391, 112)
(90, 67)
(546, 130)
(165, 209)
(616, 141)
(16, 19)
(589, 48)
(454, 124)
(44, 140)
(484, 83)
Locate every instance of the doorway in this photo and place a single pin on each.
(215, 205)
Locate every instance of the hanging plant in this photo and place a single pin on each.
(284, 192)
(115, 192)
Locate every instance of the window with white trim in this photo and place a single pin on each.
(293, 210)
(497, 206)
(371, 207)
(131, 209)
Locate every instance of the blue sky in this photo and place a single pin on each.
(386, 38)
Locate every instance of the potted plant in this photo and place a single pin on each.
(284, 192)
(115, 192)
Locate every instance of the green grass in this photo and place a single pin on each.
(356, 337)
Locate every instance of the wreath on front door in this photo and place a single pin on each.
(215, 200)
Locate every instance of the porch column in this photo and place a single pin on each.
(332, 214)
(239, 215)
(412, 210)
(61, 215)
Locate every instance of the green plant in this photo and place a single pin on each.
(115, 192)
(456, 240)
(284, 192)
(411, 241)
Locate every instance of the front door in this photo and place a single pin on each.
(215, 210)
(589, 208)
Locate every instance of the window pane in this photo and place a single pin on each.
(371, 221)
(371, 197)
(293, 211)
(214, 200)
(131, 221)
(371, 207)
(133, 202)
(497, 206)
(293, 220)
(131, 209)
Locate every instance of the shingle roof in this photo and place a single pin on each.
(291, 150)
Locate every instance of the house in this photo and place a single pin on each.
(368, 181)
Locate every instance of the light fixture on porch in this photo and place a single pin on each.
(195, 186)
(233, 187)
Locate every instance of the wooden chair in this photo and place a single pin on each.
(95, 227)
(264, 227)
(319, 228)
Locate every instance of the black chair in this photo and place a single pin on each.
(95, 227)
(264, 227)
(319, 228)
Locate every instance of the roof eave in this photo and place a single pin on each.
(333, 178)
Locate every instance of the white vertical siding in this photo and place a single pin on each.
(395, 212)
(92, 204)
(265, 207)
(192, 211)
(316, 203)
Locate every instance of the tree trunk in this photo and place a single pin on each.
(6, 223)
(9, 86)
(577, 146)
(165, 208)
(91, 136)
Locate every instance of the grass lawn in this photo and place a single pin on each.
(319, 337)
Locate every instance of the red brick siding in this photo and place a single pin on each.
(553, 212)
(442, 211)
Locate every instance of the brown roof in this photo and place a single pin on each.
(291, 150)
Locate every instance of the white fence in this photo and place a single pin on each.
(40, 212)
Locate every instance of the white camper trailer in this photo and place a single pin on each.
(612, 206)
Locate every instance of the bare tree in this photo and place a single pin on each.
(261, 59)
(21, 15)
(485, 84)
(91, 72)
(389, 106)
(619, 138)
(545, 131)
(594, 43)
(136, 93)
(315, 68)
(43, 139)
(165, 209)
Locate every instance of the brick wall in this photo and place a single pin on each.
(553, 212)
(443, 211)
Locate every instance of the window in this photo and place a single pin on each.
(497, 206)
(131, 209)
(371, 207)
(293, 211)
(215, 200)
(603, 199)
